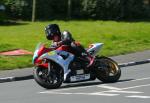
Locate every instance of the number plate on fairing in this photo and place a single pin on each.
(80, 71)
(80, 77)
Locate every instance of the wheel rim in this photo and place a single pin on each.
(107, 67)
(111, 68)
(52, 79)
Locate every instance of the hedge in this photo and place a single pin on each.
(80, 9)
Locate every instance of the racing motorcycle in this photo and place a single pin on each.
(57, 65)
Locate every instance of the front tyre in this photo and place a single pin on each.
(107, 70)
(52, 81)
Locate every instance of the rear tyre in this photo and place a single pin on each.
(51, 81)
(107, 70)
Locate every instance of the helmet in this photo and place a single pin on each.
(66, 35)
(51, 30)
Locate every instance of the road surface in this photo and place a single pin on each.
(133, 87)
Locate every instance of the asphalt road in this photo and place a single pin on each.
(133, 87)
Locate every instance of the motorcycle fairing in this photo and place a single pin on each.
(62, 58)
(38, 51)
(35, 56)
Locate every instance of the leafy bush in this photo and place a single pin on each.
(2, 11)
(80, 9)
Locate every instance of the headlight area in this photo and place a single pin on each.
(41, 62)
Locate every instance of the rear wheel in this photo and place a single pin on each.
(47, 80)
(107, 70)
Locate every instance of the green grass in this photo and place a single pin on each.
(118, 38)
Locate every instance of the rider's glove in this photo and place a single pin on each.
(54, 44)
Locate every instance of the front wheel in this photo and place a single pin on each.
(107, 70)
(46, 80)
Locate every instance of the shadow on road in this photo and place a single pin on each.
(126, 80)
(89, 84)
(80, 84)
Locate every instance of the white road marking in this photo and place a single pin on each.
(101, 85)
(95, 93)
(109, 87)
(138, 96)
(135, 80)
(113, 89)
(141, 79)
(67, 89)
(49, 92)
(110, 92)
(120, 91)
(138, 86)
(102, 94)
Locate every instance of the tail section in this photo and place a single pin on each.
(94, 48)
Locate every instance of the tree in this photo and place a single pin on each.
(76, 9)
(69, 8)
(2, 11)
(33, 10)
(89, 8)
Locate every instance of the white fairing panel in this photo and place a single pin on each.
(64, 63)
(95, 48)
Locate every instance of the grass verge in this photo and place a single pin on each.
(118, 38)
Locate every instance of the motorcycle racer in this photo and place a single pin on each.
(52, 32)
(59, 64)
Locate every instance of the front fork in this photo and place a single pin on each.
(51, 71)
(49, 68)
